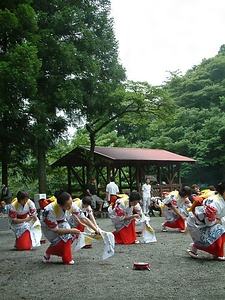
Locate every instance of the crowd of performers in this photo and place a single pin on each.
(63, 219)
(202, 215)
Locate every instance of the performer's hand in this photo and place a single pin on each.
(75, 231)
(136, 216)
(218, 221)
(97, 231)
(184, 218)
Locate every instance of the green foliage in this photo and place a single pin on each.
(19, 66)
(59, 66)
(202, 86)
(58, 63)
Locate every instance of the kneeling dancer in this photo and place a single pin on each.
(57, 229)
(206, 225)
(123, 214)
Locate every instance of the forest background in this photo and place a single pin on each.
(59, 69)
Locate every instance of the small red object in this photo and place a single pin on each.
(43, 241)
(141, 266)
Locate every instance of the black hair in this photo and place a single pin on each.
(221, 187)
(62, 197)
(212, 188)
(134, 196)
(185, 191)
(194, 186)
(193, 192)
(87, 200)
(112, 178)
(22, 195)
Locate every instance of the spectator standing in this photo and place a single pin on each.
(111, 189)
(146, 195)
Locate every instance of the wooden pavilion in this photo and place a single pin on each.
(130, 166)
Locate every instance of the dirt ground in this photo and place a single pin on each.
(173, 274)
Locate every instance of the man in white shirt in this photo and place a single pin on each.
(146, 195)
(111, 189)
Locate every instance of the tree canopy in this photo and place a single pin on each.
(19, 65)
(59, 65)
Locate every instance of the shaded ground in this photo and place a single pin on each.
(173, 274)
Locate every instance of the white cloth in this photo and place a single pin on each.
(36, 233)
(107, 237)
(112, 189)
(109, 244)
(148, 233)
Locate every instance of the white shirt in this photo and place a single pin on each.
(146, 190)
(112, 189)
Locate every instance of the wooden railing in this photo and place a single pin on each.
(157, 190)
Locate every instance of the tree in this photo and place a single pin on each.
(19, 65)
(198, 130)
(79, 67)
(134, 103)
(202, 86)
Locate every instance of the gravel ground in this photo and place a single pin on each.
(173, 274)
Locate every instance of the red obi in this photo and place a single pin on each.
(24, 216)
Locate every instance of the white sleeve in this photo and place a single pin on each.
(77, 211)
(32, 209)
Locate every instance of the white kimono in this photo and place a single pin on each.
(121, 210)
(202, 224)
(53, 218)
(76, 210)
(17, 211)
(179, 203)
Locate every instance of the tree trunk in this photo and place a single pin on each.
(42, 169)
(4, 163)
(90, 166)
(5, 149)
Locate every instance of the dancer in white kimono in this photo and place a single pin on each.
(206, 225)
(57, 229)
(24, 222)
(174, 208)
(82, 209)
(123, 214)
